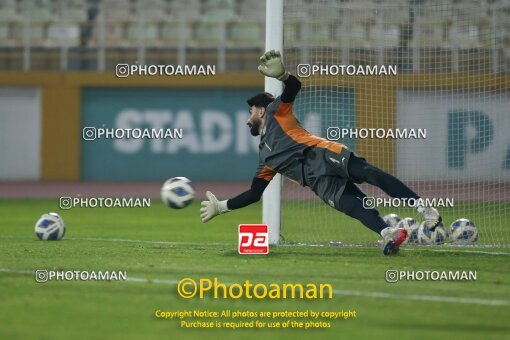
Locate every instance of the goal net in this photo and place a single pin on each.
(440, 124)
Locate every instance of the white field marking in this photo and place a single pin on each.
(378, 295)
(418, 297)
(464, 251)
(404, 248)
(120, 240)
(13, 271)
(144, 280)
(146, 241)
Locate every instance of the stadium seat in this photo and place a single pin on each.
(471, 11)
(219, 14)
(486, 35)
(152, 10)
(219, 10)
(209, 34)
(8, 3)
(430, 31)
(291, 33)
(8, 11)
(115, 15)
(384, 35)
(72, 11)
(502, 12)
(114, 35)
(173, 32)
(328, 11)
(356, 18)
(210, 30)
(502, 31)
(39, 11)
(60, 34)
(353, 35)
(463, 35)
(317, 34)
(185, 10)
(393, 13)
(219, 4)
(252, 9)
(40, 14)
(147, 32)
(437, 8)
(246, 34)
(5, 33)
(116, 10)
(74, 15)
(361, 12)
(10, 24)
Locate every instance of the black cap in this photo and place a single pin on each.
(261, 100)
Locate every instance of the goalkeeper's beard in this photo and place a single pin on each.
(255, 127)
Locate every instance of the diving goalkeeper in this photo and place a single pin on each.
(330, 169)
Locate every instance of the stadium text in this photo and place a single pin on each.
(393, 275)
(91, 133)
(188, 288)
(387, 202)
(307, 70)
(336, 133)
(103, 202)
(125, 70)
(209, 132)
(43, 275)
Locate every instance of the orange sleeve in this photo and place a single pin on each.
(284, 109)
(266, 173)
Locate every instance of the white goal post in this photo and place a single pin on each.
(271, 211)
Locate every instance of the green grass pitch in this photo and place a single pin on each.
(113, 239)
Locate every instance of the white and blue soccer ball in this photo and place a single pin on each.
(50, 227)
(177, 192)
(411, 226)
(392, 220)
(463, 231)
(427, 236)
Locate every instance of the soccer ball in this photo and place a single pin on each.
(392, 220)
(50, 227)
(463, 231)
(411, 226)
(177, 192)
(427, 236)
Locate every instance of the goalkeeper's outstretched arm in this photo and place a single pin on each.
(271, 65)
(213, 207)
(292, 87)
(258, 185)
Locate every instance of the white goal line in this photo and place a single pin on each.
(203, 244)
(377, 295)
(281, 245)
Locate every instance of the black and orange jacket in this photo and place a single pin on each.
(283, 146)
(284, 142)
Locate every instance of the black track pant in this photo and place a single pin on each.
(361, 171)
(351, 201)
